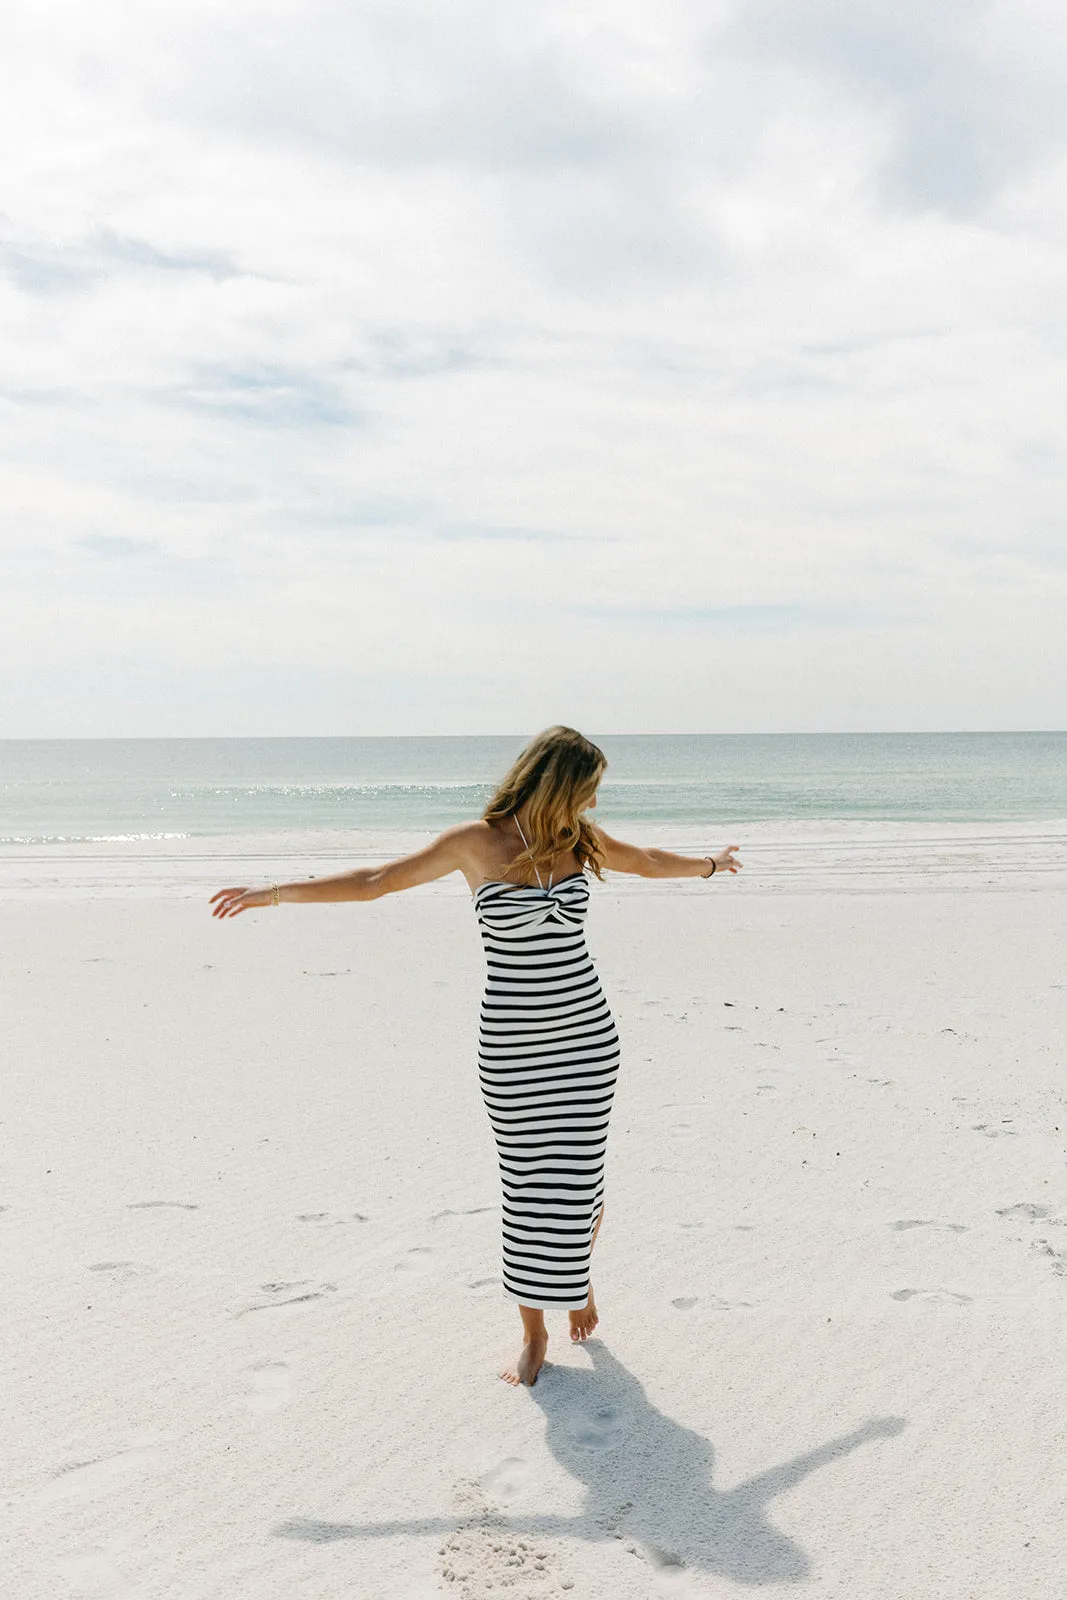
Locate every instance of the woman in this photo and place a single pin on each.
(548, 1053)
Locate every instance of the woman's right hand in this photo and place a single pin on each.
(231, 902)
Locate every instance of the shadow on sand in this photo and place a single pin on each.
(647, 1477)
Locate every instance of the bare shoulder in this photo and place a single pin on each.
(473, 847)
(468, 833)
(465, 841)
(457, 849)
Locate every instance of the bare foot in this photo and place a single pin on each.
(584, 1321)
(529, 1363)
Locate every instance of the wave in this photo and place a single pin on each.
(86, 838)
(375, 786)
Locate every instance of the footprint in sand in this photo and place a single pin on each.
(269, 1386)
(933, 1295)
(469, 1211)
(671, 1576)
(284, 1294)
(1025, 1208)
(122, 1269)
(418, 1260)
(93, 1573)
(951, 1227)
(712, 1302)
(602, 1428)
(81, 1479)
(992, 1132)
(1056, 1258)
(507, 1480)
(690, 1115)
(484, 1556)
(330, 1219)
(482, 1285)
(161, 1205)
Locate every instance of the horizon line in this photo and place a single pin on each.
(754, 733)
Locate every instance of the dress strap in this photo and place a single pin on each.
(522, 836)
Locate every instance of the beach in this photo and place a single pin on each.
(250, 1223)
(523, 439)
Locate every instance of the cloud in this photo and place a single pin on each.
(115, 547)
(129, 252)
(540, 361)
(970, 87)
(771, 618)
(466, 532)
(45, 271)
(271, 397)
(396, 84)
(42, 267)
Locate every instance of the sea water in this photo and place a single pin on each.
(108, 815)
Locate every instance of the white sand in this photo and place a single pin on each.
(250, 1258)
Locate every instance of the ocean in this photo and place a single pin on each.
(167, 815)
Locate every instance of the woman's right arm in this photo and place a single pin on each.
(451, 851)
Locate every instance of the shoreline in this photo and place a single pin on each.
(800, 856)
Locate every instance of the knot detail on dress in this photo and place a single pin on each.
(514, 907)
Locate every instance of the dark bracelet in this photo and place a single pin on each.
(710, 874)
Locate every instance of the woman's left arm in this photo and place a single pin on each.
(653, 863)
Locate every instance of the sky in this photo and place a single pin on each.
(401, 367)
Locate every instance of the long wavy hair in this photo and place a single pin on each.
(554, 778)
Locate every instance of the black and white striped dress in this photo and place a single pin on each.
(548, 1058)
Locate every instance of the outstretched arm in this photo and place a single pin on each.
(652, 863)
(449, 852)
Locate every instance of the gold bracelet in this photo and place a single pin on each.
(275, 894)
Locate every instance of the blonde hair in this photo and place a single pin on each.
(555, 778)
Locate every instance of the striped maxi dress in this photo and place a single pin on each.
(548, 1058)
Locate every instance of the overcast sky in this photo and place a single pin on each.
(410, 366)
